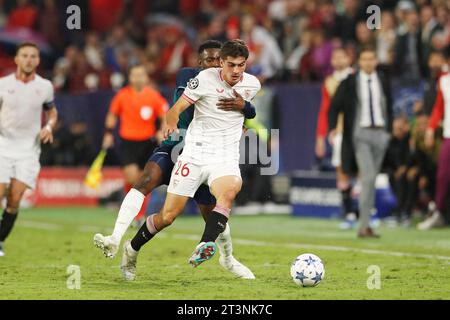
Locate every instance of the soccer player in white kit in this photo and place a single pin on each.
(23, 97)
(210, 154)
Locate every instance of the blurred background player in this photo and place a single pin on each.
(210, 155)
(139, 107)
(23, 97)
(364, 98)
(158, 169)
(441, 112)
(340, 61)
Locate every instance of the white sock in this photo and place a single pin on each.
(129, 209)
(224, 243)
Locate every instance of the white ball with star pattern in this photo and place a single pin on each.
(307, 270)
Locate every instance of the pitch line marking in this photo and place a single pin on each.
(258, 243)
(247, 242)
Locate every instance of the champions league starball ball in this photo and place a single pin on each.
(307, 270)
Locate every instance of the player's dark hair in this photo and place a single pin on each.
(368, 48)
(209, 44)
(234, 48)
(27, 45)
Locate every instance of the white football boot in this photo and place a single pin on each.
(2, 253)
(236, 268)
(226, 260)
(129, 259)
(107, 244)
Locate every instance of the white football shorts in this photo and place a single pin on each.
(186, 177)
(25, 170)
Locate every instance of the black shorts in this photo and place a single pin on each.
(137, 152)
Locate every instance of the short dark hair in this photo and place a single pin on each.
(234, 48)
(26, 45)
(367, 48)
(209, 44)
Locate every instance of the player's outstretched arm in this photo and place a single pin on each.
(237, 104)
(46, 134)
(172, 116)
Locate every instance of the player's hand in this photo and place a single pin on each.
(429, 138)
(159, 137)
(332, 136)
(321, 147)
(46, 134)
(232, 104)
(108, 141)
(169, 128)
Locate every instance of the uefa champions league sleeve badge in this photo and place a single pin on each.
(193, 83)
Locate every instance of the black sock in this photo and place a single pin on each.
(347, 204)
(7, 224)
(142, 237)
(215, 225)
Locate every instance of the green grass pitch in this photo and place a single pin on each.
(413, 264)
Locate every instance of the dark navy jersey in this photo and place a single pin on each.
(183, 77)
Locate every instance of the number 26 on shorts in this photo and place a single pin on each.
(184, 169)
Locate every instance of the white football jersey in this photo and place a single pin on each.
(444, 84)
(21, 106)
(213, 135)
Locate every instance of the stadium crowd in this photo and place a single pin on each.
(290, 40)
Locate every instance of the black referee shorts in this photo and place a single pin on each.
(137, 152)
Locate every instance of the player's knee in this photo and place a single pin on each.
(145, 183)
(230, 195)
(167, 219)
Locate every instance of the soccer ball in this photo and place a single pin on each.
(307, 270)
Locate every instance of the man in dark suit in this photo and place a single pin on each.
(408, 54)
(365, 101)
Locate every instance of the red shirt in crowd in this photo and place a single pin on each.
(104, 13)
(23, 17)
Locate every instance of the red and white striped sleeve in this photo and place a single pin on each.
(322, 120)
(438, 110)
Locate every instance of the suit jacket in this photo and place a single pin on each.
(345, 100)
(401, 51)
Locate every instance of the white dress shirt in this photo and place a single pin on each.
(375, 87)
